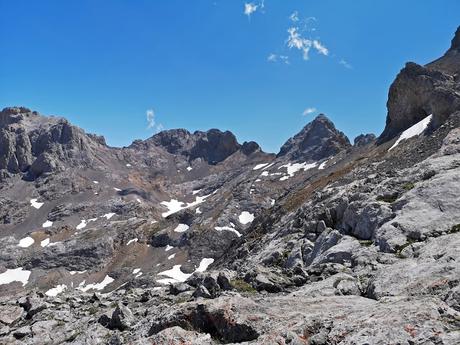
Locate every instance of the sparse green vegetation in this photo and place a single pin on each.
(389, 198)
(399, 249)
(241, 286)
(454, 229)
(408, 186)
(366, 243)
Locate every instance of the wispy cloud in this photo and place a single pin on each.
(320, 47)
(294, 17)
(345, 64)
(297, 41)
(252, 7)
(151, 121)
(278, 58)
(309, 111)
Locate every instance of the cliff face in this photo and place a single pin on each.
(419, 91)
(33, 144)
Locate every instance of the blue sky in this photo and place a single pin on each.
(201, 64)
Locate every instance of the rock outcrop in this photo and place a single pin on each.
(419, 91)
(317, 140)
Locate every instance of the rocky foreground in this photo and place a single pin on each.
(194, 238)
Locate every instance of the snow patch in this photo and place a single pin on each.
(168, 248)
(228, 228)
(56, 290)
(204, 264)
(413, 131)
(108, 215)
(129, 165)
(323, 164)
(35, 203)
(136, 270)
(260, 166)
(171, 256)
(26, 242)
(95, 286)
(181, 228)
(292, 168)
(47, 224)
(45, 242)
(198, 211)
(15, 275)
(189, 168)
(245, 217)
(84, 223)
(176, 205)
(132, 241)
(77, 272)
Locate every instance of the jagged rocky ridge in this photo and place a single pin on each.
(194, 238)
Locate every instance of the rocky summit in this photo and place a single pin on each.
(195, 238)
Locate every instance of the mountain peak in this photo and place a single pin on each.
(317, 140)
(455, 44)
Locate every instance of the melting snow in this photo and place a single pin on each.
(272, 202)
(181, 228)
(204, 264)
(84, 223)
(168, 248)
(26, 242)
(56, 290)
(45, 242)
(35, 203)
(96, 286)
(228, 228)
(176, 275)
(413, 131)
(189, 168)
(77, 272)
(132, 241)
(47, 224)
(128, 165)
(260, 166)
(198, 211)
(246, 217)
(95, 182)
(108, 215)
(175, 205)
(15, 275)
(292, 168)
(117, 189)
(323, 164)
(171, 256)
(264, 173)
(136, 270)
(196, 191)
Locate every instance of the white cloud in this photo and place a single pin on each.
(278, 58)
(251, 7)
(297, 41)
(345, 64)
(150, 118)
(272, 57)
(320, 47)
(151, 121)
(294, 17)
(309, 111)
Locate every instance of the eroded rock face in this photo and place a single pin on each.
(364, 140)
(317, 140)
(213, 146)
(33, 144)
(419, 91)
